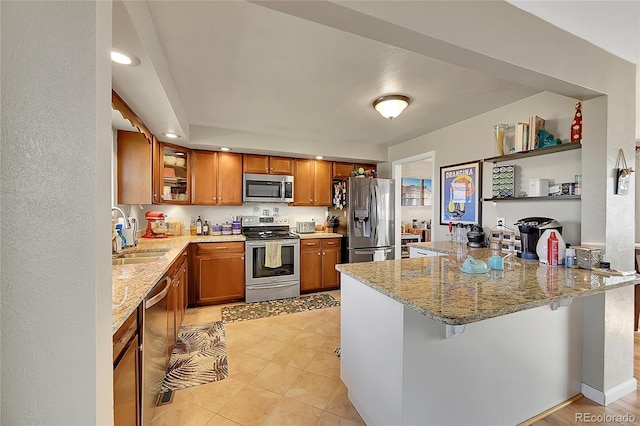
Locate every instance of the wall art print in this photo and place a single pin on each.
(460, 192)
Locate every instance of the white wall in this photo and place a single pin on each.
(473, 139)
(55, 256)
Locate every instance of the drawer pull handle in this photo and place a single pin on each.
(127, 333)
(221, 248)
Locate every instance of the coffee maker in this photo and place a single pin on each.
(531, 228)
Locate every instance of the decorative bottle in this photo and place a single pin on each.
(199, 226)
(205, 228)
(552, 250)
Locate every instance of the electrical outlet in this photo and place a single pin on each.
(500, 221)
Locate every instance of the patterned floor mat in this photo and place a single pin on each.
(273, 308)
(199, 357)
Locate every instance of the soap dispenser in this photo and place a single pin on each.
(542, 246)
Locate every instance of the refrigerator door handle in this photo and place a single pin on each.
(372, 251)
(374, 212)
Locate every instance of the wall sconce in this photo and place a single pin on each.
(390, 106)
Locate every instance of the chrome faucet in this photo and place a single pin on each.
(127, 224)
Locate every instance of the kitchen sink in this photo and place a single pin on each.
(130, 260)
(138, 257)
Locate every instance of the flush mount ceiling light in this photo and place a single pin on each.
(390, 106)
(224, 148)
(171, 135)
(124, 58)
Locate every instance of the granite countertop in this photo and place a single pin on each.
(319, 234)
(138, 279)
(435, 286)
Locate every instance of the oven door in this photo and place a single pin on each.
(256, 270)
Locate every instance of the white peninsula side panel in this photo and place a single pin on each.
(399, 368)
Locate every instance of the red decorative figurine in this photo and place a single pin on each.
(576, 126)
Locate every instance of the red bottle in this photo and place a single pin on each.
(552, 249)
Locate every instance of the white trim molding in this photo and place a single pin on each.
(611, 395)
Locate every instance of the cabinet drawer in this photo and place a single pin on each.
(330, 242)
(310, 244)
(211, 248)
(124, 334)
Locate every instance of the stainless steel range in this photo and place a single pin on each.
(272, 266)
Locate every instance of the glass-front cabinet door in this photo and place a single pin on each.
(175, 174)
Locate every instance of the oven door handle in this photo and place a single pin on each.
(372, 251)
(261, 243)
(265, 286)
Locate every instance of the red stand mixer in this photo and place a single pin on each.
(156, 226)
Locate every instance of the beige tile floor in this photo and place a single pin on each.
(282, 371)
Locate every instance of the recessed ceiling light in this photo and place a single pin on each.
(319, 157)
(171, 135)
(224, 148)
(124, 58)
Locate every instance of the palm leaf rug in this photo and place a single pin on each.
(199, 357)
(273, 308)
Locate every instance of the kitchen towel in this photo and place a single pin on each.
(272, 255)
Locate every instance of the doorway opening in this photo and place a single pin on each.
(414, 207)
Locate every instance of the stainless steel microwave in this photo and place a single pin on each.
(267, 188)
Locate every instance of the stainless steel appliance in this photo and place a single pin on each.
(264, 278)
(267, 188)
(531, 228)
(154, 347)
(366, 219)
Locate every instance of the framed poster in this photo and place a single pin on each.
(426, 192)
(460, 191)
(411, 192)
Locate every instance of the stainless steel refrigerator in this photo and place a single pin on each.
(366, 219)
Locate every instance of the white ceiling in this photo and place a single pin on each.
(241, 74)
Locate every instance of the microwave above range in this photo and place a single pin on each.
(267, 188)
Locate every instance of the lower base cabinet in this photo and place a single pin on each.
(318, 259)
(217, 273)
(126, 373)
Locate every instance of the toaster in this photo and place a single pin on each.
(305, 227)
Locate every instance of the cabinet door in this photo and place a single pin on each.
(204, 170)
(126, 409)
(255, 163)
(182, 292)
(175, 174)
(330, 258)
(303, 172)
(322, 183)
(342, 170)
(171, 317)
(221, 277)
(310, 269)
(229, 179)
(281, 165)
(135, 175)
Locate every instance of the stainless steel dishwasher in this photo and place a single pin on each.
(154, 347)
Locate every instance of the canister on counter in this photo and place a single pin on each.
(227, 229)
(216, 229)
(235, 227)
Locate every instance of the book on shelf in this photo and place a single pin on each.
(521, 137)
(536, 124)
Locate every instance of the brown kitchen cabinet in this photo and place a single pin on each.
(216, 178)
(175, 175)
(267, 164)
(126, 373)
(318, 258)
(312, 183)
(135, 169)
(178, 273)
(217, 273)
(343, 170)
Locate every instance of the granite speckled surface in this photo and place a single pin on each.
(138, 279)
(319, 235)
(435, 286)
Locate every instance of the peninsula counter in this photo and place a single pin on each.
(518, 340)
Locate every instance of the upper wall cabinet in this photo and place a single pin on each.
(345, 170)
(135, 163)
(175, 174)
(216, 178)
(312, 183)
(265, 164)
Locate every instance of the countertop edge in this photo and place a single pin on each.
(486, 315)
